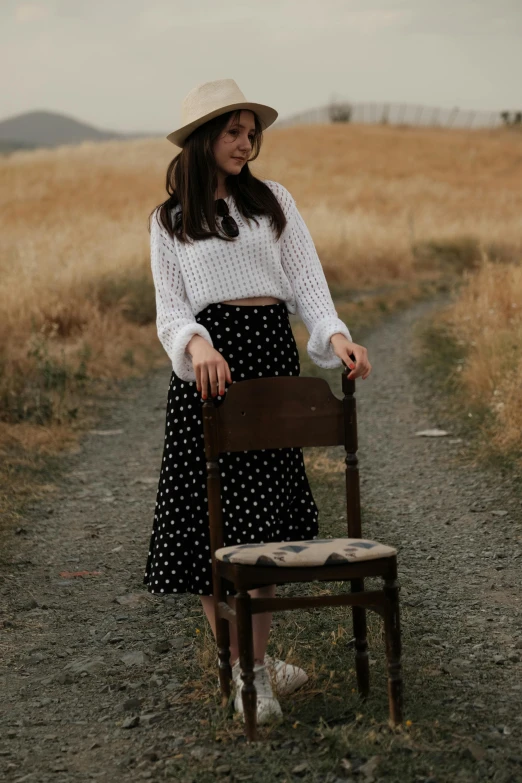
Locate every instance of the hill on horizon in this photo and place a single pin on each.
(50, 129)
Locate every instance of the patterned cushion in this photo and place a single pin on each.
(317, 552)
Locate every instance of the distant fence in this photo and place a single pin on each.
(402, 114)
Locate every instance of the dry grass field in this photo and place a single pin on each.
(388, 208)
(477, 343)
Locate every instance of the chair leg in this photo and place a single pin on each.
(392, 630)
(246, 659)
(225, 670)
(362, 664)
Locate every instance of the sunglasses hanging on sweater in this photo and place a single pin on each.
(228, 224)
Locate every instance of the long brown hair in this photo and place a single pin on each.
(191, 182)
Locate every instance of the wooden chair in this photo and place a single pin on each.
(280, 412)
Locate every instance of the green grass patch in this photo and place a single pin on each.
(42, 394)
(458, 254)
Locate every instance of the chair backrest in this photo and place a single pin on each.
(281, 412)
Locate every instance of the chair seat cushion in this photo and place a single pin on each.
(316, 552)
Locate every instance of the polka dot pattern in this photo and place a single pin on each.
(265, 493)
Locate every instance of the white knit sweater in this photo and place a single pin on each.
(188, 277)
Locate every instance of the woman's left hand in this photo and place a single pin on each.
(342, 348)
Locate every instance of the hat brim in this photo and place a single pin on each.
(267, 116)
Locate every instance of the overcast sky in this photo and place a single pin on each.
(126, 65)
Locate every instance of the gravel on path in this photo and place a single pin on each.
(99, 678)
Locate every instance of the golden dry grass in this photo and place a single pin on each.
(486, 321)
(384, 204)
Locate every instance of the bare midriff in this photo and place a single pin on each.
(254, 300)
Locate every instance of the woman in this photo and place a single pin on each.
(231, 256)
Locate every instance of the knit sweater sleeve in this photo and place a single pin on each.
(303, 268)
(175, 321)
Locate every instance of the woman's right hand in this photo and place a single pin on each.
(210, 368)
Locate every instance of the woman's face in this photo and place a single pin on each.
(234, 146)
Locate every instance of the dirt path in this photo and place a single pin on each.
(100, 680)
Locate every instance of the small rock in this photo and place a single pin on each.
(177, 643)
(433, 433)
(459, 662)
(132, 599)
(475, 751)
(105, 432)
(162, 646)
(132, 705)
(30, 604)
(514, 657)
(223, 769)
(447, 668)
(300, 769)
(64, 678)
(85, 665)
(199, 753)
(131, 722)
(148, 719)
(36, 657)
(499, 513)
(133, 658)
(430, 637)
(47, 680)
(369, 767)
(155, 680)
(499, 659)
(111, 638)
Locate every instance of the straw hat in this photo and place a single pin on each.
(209, 99)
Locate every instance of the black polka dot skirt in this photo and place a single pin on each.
(265, 493)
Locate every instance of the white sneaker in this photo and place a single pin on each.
(268, 708)
(286, 677)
